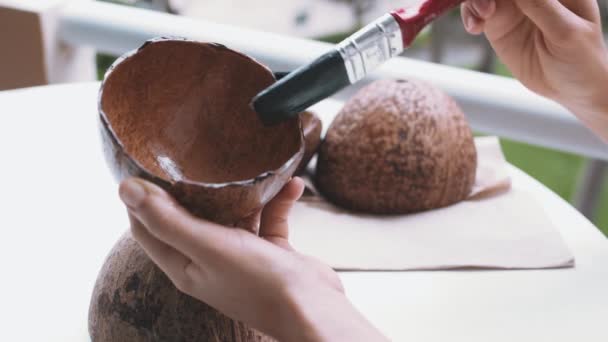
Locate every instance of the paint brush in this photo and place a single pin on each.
(350, 61)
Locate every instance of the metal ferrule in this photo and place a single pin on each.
(371, 46)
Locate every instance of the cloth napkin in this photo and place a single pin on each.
(497, 227)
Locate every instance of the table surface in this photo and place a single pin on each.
(60, 215)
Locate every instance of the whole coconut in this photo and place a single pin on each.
(397, 147)
(133, 301)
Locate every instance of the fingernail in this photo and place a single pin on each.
(132, 193)
(482, 7)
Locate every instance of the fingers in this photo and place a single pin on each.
(173, 263)
(165, 219)
(250, 223)
(556, 19)
(472, 23)
(274, 221)
(475, 13)
(586, 9)
(550, 16)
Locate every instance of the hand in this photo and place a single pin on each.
(259, 280)
(555, 48)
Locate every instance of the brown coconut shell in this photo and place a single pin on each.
(312, 127)
(397, 147)
(176, 112)
(133, 301)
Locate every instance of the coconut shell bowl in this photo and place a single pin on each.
(176, 112)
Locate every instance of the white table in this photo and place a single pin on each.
(60, 215)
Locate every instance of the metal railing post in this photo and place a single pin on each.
(590, 188)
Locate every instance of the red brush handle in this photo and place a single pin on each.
(413, 19)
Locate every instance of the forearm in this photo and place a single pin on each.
(593, 111)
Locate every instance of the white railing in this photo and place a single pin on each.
(494, 105)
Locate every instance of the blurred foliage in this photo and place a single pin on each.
(359, 7)
(501, 69)
(421, 41)
(103, 63)
(335, 38)
(557, 170)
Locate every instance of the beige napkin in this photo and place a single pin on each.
(496, 228)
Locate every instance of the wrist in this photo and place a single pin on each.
(595, 101)
(303, 309)
(592, 110)
(325, 315)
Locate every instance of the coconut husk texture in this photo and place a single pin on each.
(397, 147)
(134, 301)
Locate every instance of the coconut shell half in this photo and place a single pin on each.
(176, 112)
(133, 301)
(397, 147)
(312, 127)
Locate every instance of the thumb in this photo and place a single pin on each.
(274, 221)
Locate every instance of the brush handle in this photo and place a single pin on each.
(413, 19)
(388, 36)
(348, 63)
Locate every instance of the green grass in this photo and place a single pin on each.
(501, 70)
(557, 170)
(336, 37)
(103, 63)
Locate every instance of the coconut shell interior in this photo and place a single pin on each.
(181, 110)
